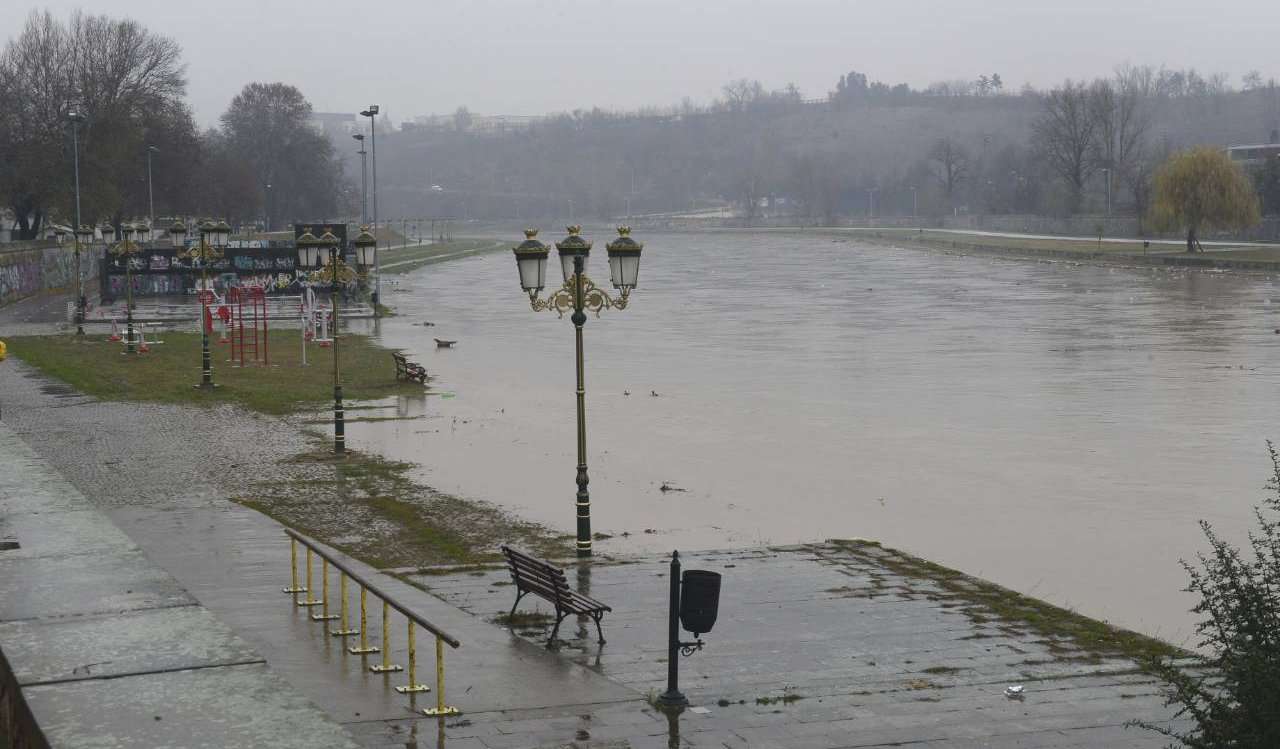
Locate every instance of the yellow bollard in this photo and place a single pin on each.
(413, 685)
(386, 666)
(364, 647)
(309, 601)
(343, 629)
(440, 709)
(324, 615)
(293, 568)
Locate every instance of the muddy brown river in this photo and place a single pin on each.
(1054, 427)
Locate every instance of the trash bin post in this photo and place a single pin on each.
(672, 697)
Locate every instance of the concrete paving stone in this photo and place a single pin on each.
(104, 646)
(95, 583)
(61, 534)
(233, 706)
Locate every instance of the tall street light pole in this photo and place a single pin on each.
(76, 117)
(372, 113)
(364, 180)
(151, 196)
(579, 294)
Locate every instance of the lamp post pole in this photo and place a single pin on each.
(339, 428)
(151, 197)
(364, 180)
(579, 318)
(76, 119)
(372, 113)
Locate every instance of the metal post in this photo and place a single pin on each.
(131, 345)
(440, 708)
(324, 615)
(583, 498)
(343, 630)
(206, 360)
(151, 196)
(672, 697)
(377, 277)
(364, 647)
(339, 428)
(413, 686)
(387, 666)
(80, 300)
(310, 600)
(293, 569)
(364, 186)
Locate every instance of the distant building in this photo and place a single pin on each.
(1256, 155)
(474, 123)
(337, 126)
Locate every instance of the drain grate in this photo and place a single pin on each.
(8, 545)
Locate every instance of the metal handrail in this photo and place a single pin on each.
(345, 630)
(372, 588)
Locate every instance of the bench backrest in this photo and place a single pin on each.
(536, 575)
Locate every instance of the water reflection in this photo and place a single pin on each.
(1057, 428)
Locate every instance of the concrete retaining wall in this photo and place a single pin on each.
(28, 268)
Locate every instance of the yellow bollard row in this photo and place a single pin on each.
(364, 648)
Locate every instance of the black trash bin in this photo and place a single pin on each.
(699, 600)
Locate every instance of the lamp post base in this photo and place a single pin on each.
(206, 386)
(672, 698)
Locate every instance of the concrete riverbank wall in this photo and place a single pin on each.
(28, 268)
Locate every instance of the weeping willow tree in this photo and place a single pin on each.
(1202, 189)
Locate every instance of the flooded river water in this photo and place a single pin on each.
(1056, 428)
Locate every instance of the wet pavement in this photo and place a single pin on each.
(833, 668)
(107, 650)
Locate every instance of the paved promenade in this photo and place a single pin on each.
(817, 646)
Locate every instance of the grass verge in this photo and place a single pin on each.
(1067, 634)
(168, 373)
(405, 259)
(372, 509)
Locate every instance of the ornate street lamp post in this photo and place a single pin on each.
(126, 249)
(213, 237)
(336, 273)
(579, 294)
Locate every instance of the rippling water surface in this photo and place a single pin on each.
(1055, 428)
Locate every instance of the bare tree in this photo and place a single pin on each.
(1066, 134)
(949, 162)
(120, 76)
(740, 94)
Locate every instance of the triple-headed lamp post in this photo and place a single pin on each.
(579, 294)
(213, 237)
(125, 249)
(336, 273)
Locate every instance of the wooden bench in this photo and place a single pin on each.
(548, 582)
(407, 370)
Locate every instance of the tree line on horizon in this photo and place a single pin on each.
(264, 162)
(866, 148)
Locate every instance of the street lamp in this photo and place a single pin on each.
(213, 237)
(364, 180)
(915, 202)
(366, 249)
(579, 294)
(77, 118)
(125, 249)
(371, 113)
(336, 273)
(151, 198)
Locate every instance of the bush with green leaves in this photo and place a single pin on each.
(1231, 696)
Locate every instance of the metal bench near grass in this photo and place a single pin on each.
(407, 370)
(545, 580)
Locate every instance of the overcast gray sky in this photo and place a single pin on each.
(535, 56)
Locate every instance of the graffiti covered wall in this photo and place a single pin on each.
(29, 268)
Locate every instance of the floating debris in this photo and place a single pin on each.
(1015, 692)
(669, 487)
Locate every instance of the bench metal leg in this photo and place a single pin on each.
(599, 631)
(556, 630)
(519, 595)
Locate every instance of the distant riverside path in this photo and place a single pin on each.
(1055, 427)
